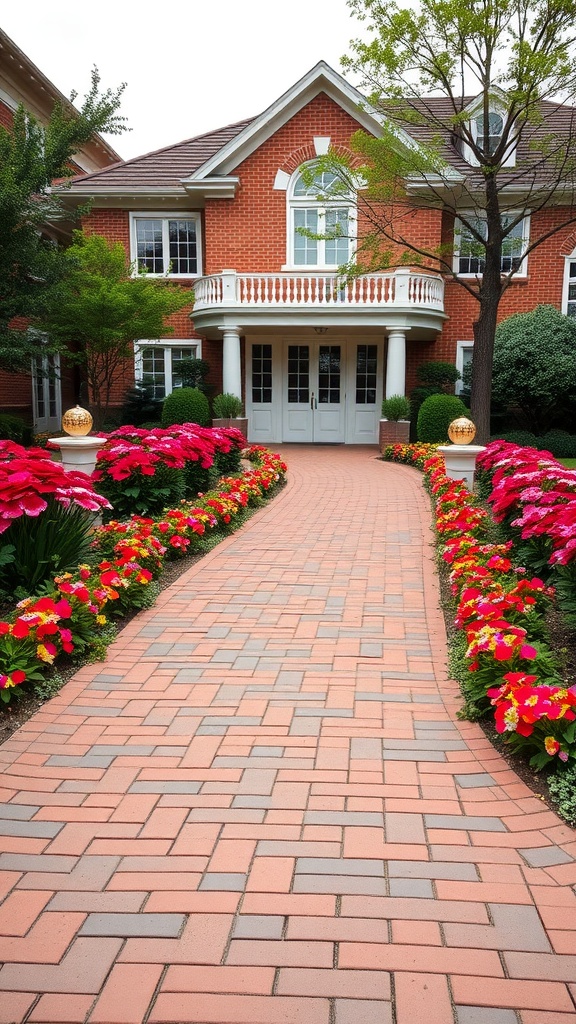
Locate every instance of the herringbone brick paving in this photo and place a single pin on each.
(262, 808)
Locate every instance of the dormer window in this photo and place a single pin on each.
(311, 212)
(488, 137)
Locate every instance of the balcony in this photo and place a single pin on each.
(400, 298)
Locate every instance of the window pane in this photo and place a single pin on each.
(329, 374)
(153, 370)
(149, 246)
(262, 374)
(366, 367)
(182, 244)
(336, 248)
(305, 249)
(299, 385)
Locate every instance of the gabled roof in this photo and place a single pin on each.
(202, 165)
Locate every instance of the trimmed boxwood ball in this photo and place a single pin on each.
(186, 405)
(436, 414)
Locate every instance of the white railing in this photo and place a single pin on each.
(399, 288)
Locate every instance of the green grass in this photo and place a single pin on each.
(569, 463)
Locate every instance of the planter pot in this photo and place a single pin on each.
(393, 432)
(239, 422)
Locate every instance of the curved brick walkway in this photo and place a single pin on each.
(261, 809)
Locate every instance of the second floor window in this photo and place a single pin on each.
(166, 245)
(313, 212)
(469, 257)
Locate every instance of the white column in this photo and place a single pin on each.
(396, 364)
(231, 367)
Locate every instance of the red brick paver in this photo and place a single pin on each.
(263, 809)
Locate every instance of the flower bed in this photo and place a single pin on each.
(72, 616)
(500, 609)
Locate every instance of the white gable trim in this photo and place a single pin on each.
(321, 79)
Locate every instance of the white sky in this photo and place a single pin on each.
(190, 65)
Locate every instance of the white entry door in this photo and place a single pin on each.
(314, 397)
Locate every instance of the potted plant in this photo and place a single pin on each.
(228, 412)
(395, 423)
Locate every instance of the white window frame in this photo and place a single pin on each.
(470, 214)
(475, 114)
(166, 344)
(136, 215)
(307, 202)
(566, 282)
(461, 348)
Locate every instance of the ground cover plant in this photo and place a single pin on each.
(500, 606)
(70, 615)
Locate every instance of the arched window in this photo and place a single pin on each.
(320, 226)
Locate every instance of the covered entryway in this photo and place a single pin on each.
(304, 389)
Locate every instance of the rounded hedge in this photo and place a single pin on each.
(435, 415)
(186, 405)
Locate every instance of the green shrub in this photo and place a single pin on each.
(397, 407)
(197, 479)
(142, 494)
(227, 463)
(227, 406)
(560, 443)
(35, 548)
(438, 375)
(436, 414)
(186, 405)
(563, 792)
(192, 373)
(13, 428)
(140, 406)
(524, 438)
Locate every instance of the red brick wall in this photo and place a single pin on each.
(6, 117)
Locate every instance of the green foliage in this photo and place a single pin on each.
(48, 687)
(13, 428)
(535, 365)
(140, 406)
(55, 541)
(395, 408)
(439, 375)
(186, 405)
(227, 406)
(142, 494)
(192, 373)
(228, 463)
(562, 785)
(524, 438)
(101, 308)
(435, 416)
(32, 155)
(560, 443)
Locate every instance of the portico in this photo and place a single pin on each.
(320, 351)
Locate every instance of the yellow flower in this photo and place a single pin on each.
(44, 654)
(101, 620)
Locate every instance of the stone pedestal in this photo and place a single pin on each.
(79, 454)
(460, 461)
(393, 432)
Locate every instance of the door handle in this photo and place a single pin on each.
(313, 402)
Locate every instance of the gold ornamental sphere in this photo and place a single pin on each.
(77, 422)
(461, 430)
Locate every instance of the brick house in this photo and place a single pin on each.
(312, 357)
(40, 398)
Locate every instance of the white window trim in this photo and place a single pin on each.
(165, 344)
(522, 269)
(566, 280)
(476, 112)
(165, 217)
(461, 348)
(307, 202)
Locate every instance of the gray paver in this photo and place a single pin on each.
(223, 881)
(467, 822)
(484, 1015)
(420, 888)
(129, 925)
(474, 781)
(546, 856)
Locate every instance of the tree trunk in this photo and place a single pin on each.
(484, 331)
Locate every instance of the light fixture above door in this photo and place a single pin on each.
(320, 330)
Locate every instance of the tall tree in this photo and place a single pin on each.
(100, 307)
(484, 91)
(32, 156)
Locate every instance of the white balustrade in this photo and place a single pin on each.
(403, 288)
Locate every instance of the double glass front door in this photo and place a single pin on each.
(314, 396)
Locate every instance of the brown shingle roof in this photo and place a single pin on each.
(163, 167)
